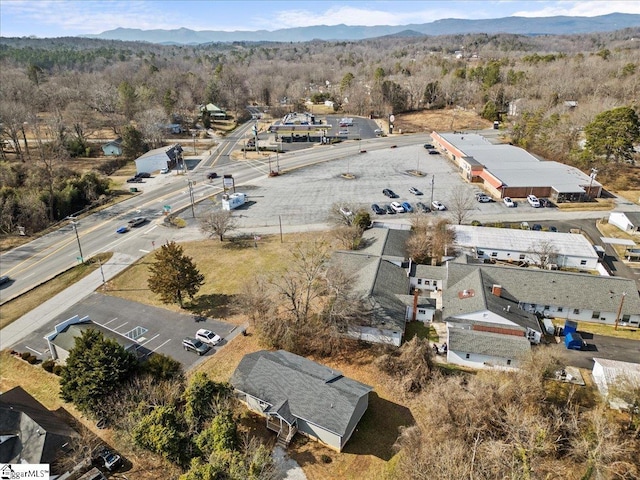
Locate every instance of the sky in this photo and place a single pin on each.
(58, 18)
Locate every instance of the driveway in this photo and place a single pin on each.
(155, 329)
(611, 348)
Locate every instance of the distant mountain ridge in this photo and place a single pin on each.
(558, 25)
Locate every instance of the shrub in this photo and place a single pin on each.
(33, 360)
(325, 458)
(57, 369)
(476, 223)
(25, 356)
(49, 365)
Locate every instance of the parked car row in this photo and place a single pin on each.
(203, 341)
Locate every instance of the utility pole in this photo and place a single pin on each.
(432, 181)
(624, 294)
(193, 211)
(75, 229)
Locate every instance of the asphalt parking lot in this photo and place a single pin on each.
(304, 196)
(160, 330)
(611, 348)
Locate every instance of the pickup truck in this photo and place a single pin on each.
(137, 221)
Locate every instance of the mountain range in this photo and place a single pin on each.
(558, 25)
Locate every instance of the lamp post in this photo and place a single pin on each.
(191, 183)
(433, 177)
(75, 229)
(194, 143)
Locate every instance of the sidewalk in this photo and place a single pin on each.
(43, 314)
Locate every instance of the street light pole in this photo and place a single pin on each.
(193, 211)
(433, 177)
(75, 229)
(194, 143)
(594, 172)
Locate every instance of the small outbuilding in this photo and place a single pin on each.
(615, 380)
(299, 395)
(626, 221)
(113, 148)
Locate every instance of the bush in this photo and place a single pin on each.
(325, 458)
(25, 356)
(49, 365)
(33, 360)
(476, 223)
(57, 369)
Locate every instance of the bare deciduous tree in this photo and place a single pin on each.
(460, 204)
(217, 223)
(544, 253)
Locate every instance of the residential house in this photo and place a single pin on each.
(626, 221)
(214, 111)
(159, 158)
(613, 378)
(113, 148)
(556, 294)
(298, 395)
(564, 250)
(62, 339)
(29, 432)
(480, 349)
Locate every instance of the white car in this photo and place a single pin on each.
(346, 211)
(415, 191)
(397, 207)
(533, 201)
(438, 205)
(164, 170)
(207, 336)
(508, 202)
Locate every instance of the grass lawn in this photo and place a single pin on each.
(421, 330)
(15, 308)
(227, 267)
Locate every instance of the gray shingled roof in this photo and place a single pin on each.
(428, 271)
(487, 343)
(480, 283)
(544, 287)
(634, 217)
(314, 393)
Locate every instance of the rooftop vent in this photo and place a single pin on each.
(496, 290)
(466, 293)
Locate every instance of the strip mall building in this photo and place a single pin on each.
(508, 171)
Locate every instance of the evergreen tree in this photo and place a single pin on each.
(95, 368)
(173, 274)
(612, 133)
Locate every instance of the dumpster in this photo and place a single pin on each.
(573, 341)
(570, 326)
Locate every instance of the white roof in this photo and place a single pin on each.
(516, 167)
(511, 239)
(613, 371)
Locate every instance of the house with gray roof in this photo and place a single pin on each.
(29, 432)
(298, 395)
(112, 148)
(571, 296)
(478, 349)
(63, 337)
(159, 158)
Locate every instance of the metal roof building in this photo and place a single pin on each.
(509, 171)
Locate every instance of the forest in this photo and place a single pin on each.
(60, 98)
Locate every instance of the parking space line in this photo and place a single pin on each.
(121, 326)
(161, 345)
(33, 350)
(149, 339)
(112, 320)
(144, 251)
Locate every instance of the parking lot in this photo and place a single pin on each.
(598, 346)
(159, 330)
(304, 197)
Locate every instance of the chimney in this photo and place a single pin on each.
(415, 304)
(496, 290)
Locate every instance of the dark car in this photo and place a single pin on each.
(134, 180)
(195, 345)
(212, 175)
(553, 228)
(389, 209)
(5, 279)
(544, 202)
(389, 193)
(537, 227)
(434, 152)
(143, 175)
(428, 146)
(422, 207)
(377, 210)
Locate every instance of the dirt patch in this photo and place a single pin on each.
(440, 121)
